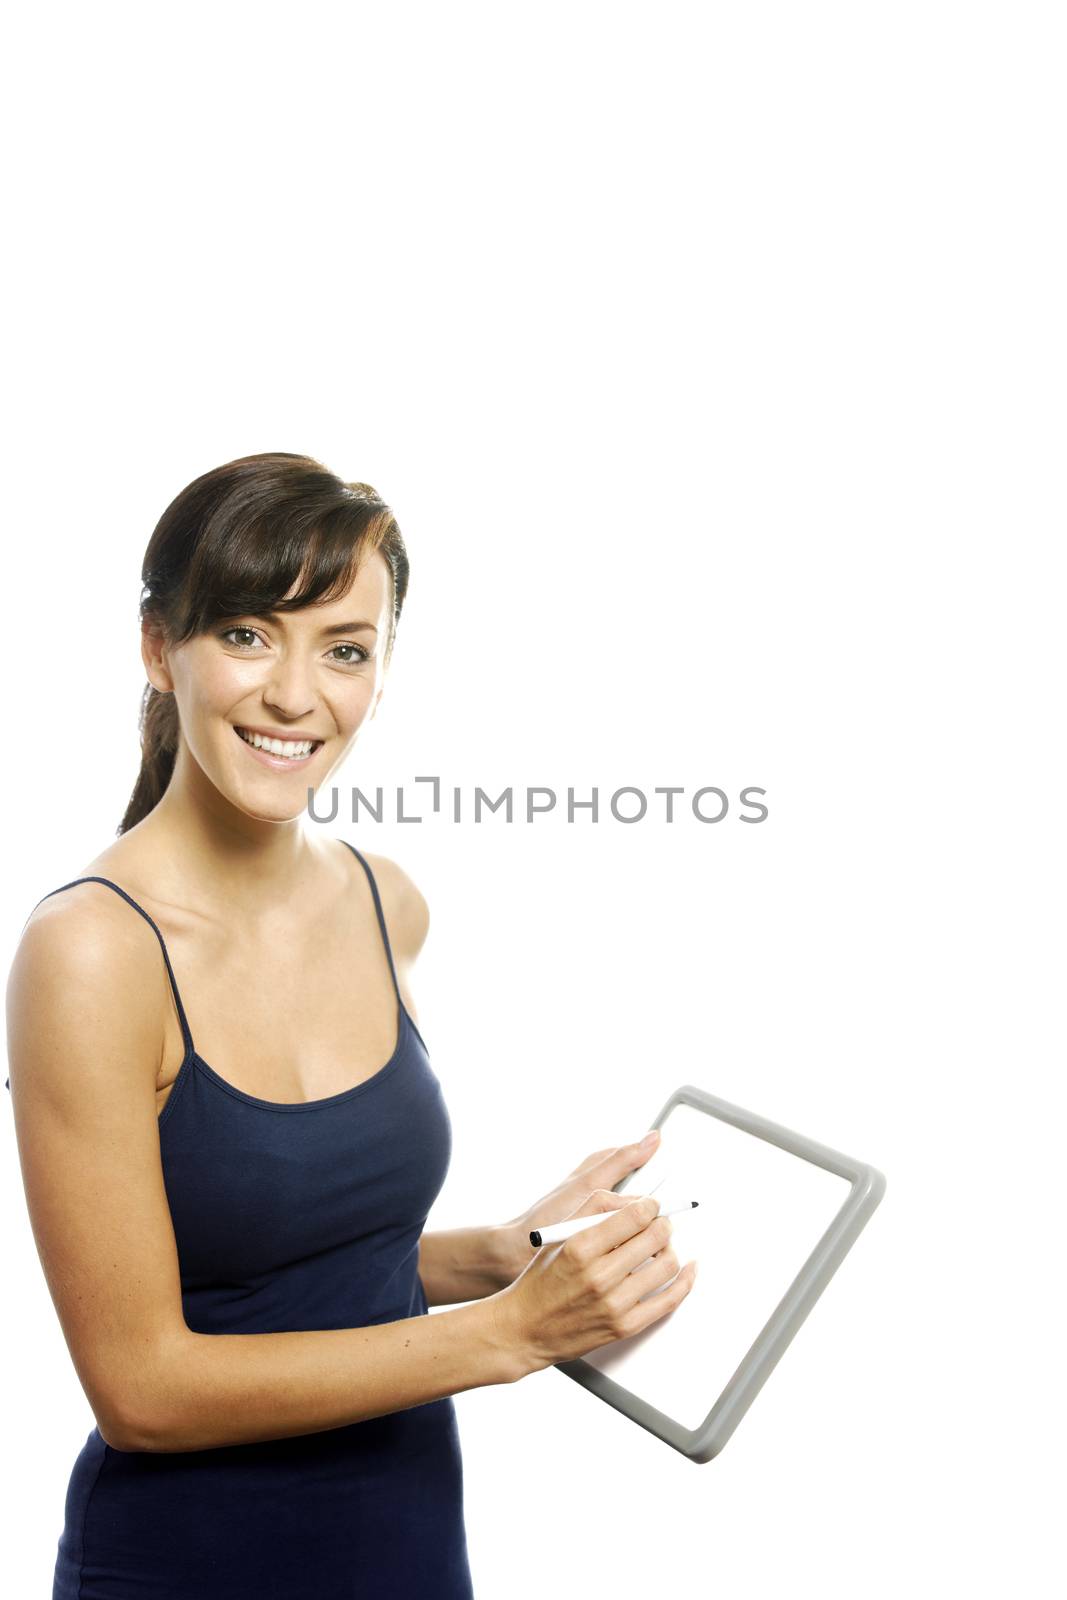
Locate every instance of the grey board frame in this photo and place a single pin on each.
(867, 1187)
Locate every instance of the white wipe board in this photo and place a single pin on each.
(777, 1214)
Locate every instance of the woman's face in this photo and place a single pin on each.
(314, 674)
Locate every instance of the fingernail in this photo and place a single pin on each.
(650, 1137)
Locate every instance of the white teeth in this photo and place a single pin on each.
(291, 749)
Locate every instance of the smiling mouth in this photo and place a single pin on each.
(294, 750)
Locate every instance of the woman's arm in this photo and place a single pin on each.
(469, 1263)
(203, 1390)
(86, 995)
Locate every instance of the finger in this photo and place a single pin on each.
(621, 1158)
(642, 1154)
(630, 1156)
(653, 1274)
(642, 1315)
(628, 1219)
(597, 1200)
(631, 1253)
(605, 1200)
(594, 1160)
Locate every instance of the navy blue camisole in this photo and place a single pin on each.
(288, 1216)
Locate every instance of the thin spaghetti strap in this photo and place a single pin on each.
(186, 1034)
(381, 918)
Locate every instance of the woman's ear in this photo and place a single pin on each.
(153, 646)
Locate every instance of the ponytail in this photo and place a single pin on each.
(158, 725)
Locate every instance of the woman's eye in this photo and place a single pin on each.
(361, 654)
(226, 635)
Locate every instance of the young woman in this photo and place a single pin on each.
(228, 1178)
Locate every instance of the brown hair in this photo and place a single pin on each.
(233, 543)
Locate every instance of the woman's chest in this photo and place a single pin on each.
(293, 1019)
(255, 1190)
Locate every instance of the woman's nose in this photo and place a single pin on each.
(289, 689)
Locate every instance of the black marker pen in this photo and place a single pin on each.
(563, 1230)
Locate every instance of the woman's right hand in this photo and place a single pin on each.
(575, 1296)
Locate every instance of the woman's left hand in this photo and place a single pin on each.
(602, 1170)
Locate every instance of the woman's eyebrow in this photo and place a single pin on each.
(336, 627)
(350, 627)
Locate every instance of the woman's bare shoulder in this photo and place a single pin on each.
(84, 947)
(87, 916)
(407, 911)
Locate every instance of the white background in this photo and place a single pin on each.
(712, 359)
